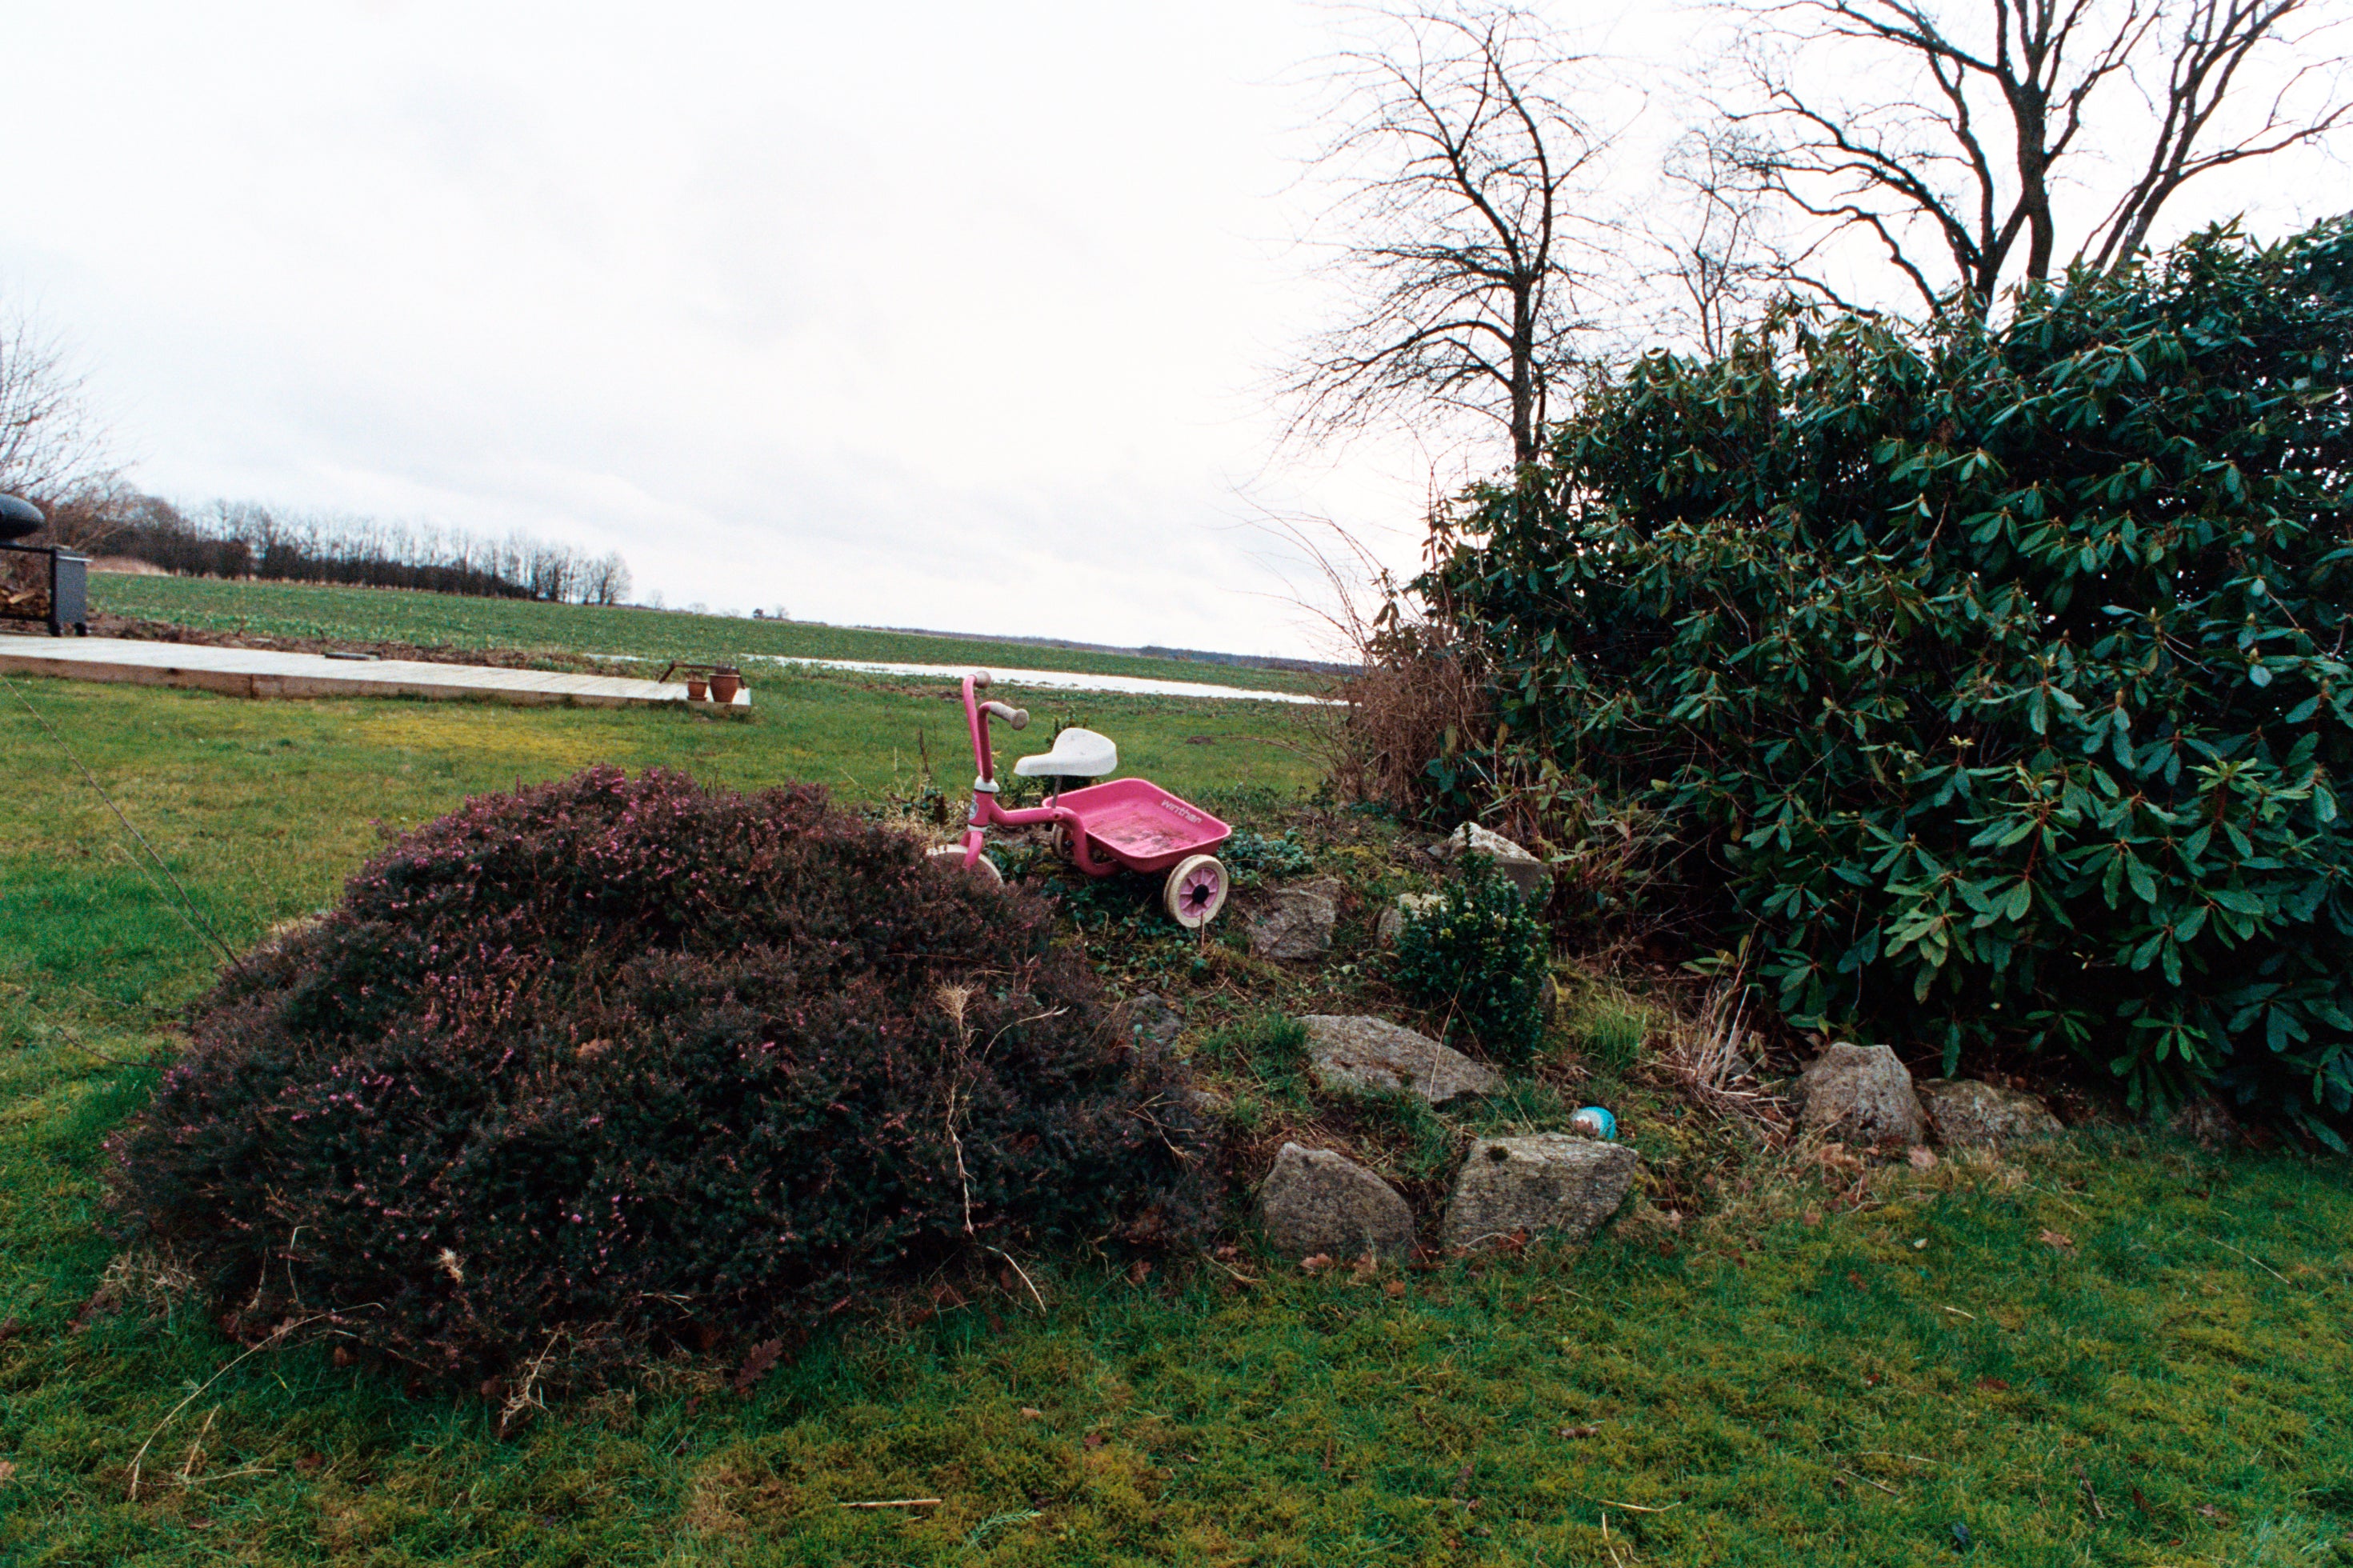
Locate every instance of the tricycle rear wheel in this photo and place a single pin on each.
(1195, 891)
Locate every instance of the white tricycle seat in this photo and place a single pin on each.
(1077, 754)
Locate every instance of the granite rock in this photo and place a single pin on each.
(1530, 875)
(1373, 1055)
(1966, 1114)
(1150, 1021)
(1314, 1201)
(2206, 1121)
(1391, 925)
(1294, 923)
(1861, 1094)
(1548, 1184)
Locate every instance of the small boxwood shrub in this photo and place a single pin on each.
(1482, 954)
(611, 1061)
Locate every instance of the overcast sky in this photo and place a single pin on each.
(925, 314)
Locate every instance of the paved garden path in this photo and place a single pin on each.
(260, 672)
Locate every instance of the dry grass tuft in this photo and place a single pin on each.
(1712, 1058)
(1421, 693)
(148, 1278)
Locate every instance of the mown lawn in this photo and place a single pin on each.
(305, 610)
(2116, 1351)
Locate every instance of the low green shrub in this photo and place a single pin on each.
(1992, 672)
(1255, 858)
(1481, 955)
(613, 1060)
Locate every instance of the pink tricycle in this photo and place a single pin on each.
(1129, 825)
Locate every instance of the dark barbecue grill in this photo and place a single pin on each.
(64, 599)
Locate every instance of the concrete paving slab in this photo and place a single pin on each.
(261, 672)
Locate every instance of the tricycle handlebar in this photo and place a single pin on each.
(1017, 717)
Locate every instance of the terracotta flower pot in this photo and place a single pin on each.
(698, 689)
(724, 685)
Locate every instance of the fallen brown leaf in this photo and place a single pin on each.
(2058, 1238)
(1393, 1288)
(7, 1472)
(1994, 1385)
(1315, 1263)
(1032, 1412)
(1923, 1158)
(1576, 1432)
(1092, 1440)
(757, 1363)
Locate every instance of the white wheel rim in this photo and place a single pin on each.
(1197, 891)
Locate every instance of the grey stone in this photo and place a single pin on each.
(1314, 1201)
(1391, 925)
(1530, 875)
(1548, 1184)
(1966, 1114)
(1860, 1093)
(1150, 1021)
(2207, 1122)
(1376, 1057)
(1296, 923)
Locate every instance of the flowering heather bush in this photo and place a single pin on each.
(615, 1060)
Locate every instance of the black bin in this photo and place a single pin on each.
(66, 601)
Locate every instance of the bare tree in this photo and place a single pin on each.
(1974, 156)
(50, 448)
(1462, 162)
(1720, 249)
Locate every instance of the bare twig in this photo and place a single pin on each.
(894, 1502)
(277, 1335)
(2252, 1258)
(1025, 1277)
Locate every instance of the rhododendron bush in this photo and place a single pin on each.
(614, 1061)
(1993, 675)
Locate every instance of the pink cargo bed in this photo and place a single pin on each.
(1142, 825)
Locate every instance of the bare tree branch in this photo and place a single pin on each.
(50, 447)
(1984, 115)
(1463, 162)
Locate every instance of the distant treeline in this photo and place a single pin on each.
(1235, 660)
(245, 539)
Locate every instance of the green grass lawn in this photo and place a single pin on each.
(2111, 1352)
(302, 610)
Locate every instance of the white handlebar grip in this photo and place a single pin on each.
(980, 680)
(1019, 718)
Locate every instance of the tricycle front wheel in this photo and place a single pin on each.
(1195, 891)
(984, 867)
